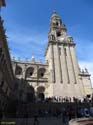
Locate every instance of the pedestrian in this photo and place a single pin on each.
(1, 115)
(91, 111)
(36, 121)
(86, 112)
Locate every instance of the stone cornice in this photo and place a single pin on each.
(29, 63)
(84, 74)
(38, 80)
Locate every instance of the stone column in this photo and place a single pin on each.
(59, 64)
(72, 66)
(24, 72)
(52, 63)
(14, 67)
(75, 62)
(64, 65)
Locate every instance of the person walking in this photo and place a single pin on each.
(1, 115)
(36, 121)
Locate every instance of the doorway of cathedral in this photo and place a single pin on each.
(41, 96)
(40, 93)
(30, 94)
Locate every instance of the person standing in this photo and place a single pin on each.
(1, 115)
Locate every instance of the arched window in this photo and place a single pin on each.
(58, 34)
(56, 23)
(18, 70)
(41, 72)
(53, 37)
(29, 72)
(41, 89)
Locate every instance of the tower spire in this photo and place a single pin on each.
(57, 28)
(55, 15)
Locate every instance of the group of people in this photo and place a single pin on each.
(72, 108)
(67, 113)
(69, 99)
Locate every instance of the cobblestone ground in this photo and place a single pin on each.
(30, 121)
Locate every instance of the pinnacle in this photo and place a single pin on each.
(55, 14)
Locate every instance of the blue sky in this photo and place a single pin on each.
(27, 26)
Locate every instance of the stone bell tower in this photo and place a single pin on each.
(64, 70)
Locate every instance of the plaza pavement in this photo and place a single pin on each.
(30, 121)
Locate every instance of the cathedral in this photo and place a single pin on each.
(60, 75)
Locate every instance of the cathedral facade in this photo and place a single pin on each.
(60, 75)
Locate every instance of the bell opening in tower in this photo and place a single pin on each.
(58, 34)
